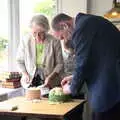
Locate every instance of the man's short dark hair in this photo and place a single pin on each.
(59, 18)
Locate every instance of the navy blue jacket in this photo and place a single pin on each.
(97, 46)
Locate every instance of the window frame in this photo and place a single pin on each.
(13, 33)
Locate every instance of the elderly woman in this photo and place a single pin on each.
(39, 56)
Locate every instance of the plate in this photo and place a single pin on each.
(44, 90)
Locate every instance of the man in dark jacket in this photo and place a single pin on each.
(97, 48)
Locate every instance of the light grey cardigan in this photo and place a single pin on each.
(52, 59)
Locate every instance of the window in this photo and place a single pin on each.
(3, 35)
(14, 21)
(29, 7)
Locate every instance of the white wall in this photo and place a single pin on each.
(72, 7)
(99, 7)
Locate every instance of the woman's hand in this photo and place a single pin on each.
(49, 79)
(47, 82)
(25, 78)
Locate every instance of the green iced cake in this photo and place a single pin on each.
(56, 95)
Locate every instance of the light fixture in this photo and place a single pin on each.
(115, 11)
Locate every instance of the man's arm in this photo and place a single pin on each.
(82, 41)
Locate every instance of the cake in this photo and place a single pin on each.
(33, 93)
(56, 95)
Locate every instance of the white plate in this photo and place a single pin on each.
(44, 90)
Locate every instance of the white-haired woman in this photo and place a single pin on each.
(39, 56)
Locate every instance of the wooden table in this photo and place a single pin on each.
(42, 109)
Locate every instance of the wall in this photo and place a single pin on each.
(72, 7)
(97, 7)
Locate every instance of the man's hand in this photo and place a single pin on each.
(65, 83)
(66, 89)
(66, 80)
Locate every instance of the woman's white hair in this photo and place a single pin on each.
(40, 19)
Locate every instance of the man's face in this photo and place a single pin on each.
(38, 32)
(65, 33)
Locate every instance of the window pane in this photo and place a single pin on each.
(29, 7)
(3, 35)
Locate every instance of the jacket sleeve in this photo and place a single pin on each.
(82, 42)
(58, 57)
(20, 58)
